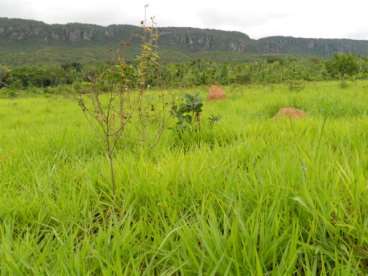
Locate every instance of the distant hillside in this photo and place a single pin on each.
(310, 46)
(29, 41)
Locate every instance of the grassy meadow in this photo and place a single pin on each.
(253, 195)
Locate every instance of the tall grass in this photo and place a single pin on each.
(254, 196)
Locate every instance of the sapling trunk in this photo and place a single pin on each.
(113, 117)
(110, 156)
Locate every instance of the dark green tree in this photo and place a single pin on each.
(4, 76)
(343, 65)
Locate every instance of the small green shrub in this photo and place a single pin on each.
(8, 93)
(344, 84)
(11, 93)
(213, 120)
(296, 85)
(188, 113)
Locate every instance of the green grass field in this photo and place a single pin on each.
(254, 196)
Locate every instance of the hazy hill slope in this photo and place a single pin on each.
(309, 46)
(23, 41)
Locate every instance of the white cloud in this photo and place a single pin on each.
(257, 18)
(16, 8)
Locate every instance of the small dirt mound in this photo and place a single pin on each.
(216, 93)
(290, 112)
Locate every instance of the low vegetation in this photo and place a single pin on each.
(252, 195)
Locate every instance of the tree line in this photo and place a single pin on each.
(197, 72)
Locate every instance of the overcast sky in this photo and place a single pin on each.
(257, 18)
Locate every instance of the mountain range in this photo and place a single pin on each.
(29, 41)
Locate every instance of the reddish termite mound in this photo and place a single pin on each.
(290, 112)
(216, 93)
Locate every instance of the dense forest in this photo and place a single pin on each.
(197, 72)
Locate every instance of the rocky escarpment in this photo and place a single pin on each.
(28, 35)
(28, 31)
(308, 46)
(207, 40)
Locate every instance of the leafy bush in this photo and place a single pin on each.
(296, 85)
(4, 76)
(343, 65)
(188, 113)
